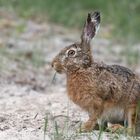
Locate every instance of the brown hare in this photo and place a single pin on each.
(104, 91)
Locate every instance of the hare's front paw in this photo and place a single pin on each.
(87, 126)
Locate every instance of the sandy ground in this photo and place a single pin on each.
(28, 94)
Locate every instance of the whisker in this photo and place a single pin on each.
(54, 78)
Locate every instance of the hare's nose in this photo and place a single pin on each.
(53, 64)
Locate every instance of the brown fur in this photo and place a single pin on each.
(99, 89)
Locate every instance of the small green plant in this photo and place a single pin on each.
(68, 131)
(100, 131)
(46, 125)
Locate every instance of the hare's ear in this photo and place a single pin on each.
(91, 27)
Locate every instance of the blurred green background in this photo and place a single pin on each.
(121, 16)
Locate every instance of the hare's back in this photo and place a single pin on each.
(121, 72)
(128, 80)
(126, 75)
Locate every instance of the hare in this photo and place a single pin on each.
(104, 91)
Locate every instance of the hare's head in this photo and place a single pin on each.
(78, 55)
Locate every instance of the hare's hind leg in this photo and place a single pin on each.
(137, 127)
(131, 117)
(115, 127)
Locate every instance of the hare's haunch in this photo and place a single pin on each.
(104, 91)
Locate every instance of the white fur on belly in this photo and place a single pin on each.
(113, 114)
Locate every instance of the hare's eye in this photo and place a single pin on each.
(71, 53)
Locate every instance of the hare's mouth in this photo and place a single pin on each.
(59, 71)
(58, 68)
